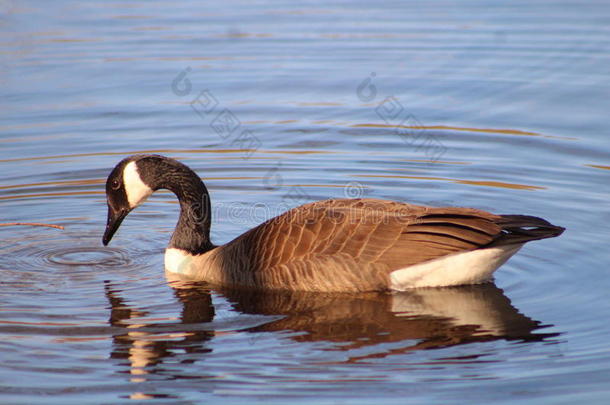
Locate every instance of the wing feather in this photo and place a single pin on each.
(354, 244)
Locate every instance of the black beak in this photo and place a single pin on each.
(114, 221)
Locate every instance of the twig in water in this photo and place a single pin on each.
(31, 224)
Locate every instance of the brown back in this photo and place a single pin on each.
(351, 244)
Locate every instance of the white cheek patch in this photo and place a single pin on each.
(137, 192)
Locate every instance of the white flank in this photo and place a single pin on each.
(472, 267)
(137, 192)
(178, 261)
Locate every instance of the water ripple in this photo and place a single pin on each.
(45, 261)
(87, 256)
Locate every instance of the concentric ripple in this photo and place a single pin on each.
(87, 256)
(57, 253)
(49, 260)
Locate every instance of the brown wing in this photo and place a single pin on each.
(353, 244)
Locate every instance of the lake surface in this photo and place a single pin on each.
(502, 107)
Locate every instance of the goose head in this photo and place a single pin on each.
(128, 186)
(136, 177)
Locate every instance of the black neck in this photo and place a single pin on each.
(192, 232)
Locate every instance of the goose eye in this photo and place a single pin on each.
(115, 184)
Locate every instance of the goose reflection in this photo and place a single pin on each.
(145, 345)
(421, 319)
(415, 320)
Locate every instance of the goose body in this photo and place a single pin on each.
(332, 245)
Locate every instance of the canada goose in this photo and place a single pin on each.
(331, 245)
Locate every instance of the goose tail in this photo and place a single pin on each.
(525, 228)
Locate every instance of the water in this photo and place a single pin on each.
(497, 106)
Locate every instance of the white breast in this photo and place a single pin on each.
(178, 261)
(472, 267)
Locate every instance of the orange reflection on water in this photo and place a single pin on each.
(168, 151)
(504, 131)
(499, 184)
